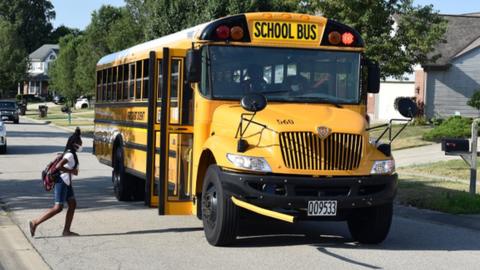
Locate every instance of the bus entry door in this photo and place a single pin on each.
(176, 138)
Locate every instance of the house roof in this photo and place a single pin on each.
(41, 53)
(462, 36)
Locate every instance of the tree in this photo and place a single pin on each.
(13, 60)
(397, 34)
(61, 31)
(111, 29)
(62, 71)
(31, 20)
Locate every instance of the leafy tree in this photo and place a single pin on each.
(13, 60)
(61, 31)
(62, 71)
(111, 29)
(397, 34)
(31, 20)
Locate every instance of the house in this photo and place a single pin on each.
(445, 86)
(37, 80)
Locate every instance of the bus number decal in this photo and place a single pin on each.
(285, 31)
(285, 122)
(132, 116)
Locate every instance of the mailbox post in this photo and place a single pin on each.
(459, 147)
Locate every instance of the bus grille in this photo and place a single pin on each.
(306, 151)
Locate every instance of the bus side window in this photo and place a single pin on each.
(114, 83)
(131, 81)
(160, 80)
(109, 84)
(174, 85)
(125, 81)
(99, 85)
(104, 84)
(120, 82)
(138, 81)
(145, 79)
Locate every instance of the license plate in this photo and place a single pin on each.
(322, 208)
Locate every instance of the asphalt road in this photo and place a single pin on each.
(118, 235)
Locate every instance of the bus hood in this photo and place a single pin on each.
(288, 117)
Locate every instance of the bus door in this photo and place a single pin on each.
(176, 138)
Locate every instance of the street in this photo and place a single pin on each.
(127, 235)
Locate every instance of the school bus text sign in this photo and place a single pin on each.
(285, 31)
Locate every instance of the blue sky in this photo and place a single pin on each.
(76, 13)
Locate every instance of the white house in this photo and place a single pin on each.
(40, 59)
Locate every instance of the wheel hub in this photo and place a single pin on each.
(209, 206)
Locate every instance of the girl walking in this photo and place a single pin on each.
(63, 190)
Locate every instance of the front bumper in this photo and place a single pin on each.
(8, 117)
(291, 193)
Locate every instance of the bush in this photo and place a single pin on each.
(474, 101)
(453, 127)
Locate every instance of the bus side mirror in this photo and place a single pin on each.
(373, 83)
(406, 107)
(193, 64)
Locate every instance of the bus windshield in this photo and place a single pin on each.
(285, 75)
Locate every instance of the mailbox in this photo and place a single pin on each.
(455, 145)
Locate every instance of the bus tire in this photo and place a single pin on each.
(121, 180)
(371, 225)
(219, 214)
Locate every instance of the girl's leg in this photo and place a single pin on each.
(72, 204)
(57, 208)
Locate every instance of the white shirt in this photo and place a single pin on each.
(66, 177)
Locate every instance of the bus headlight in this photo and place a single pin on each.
(249, 163)
(383, 167)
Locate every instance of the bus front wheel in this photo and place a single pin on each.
(121, 180)
(219, 214)
(371, 225)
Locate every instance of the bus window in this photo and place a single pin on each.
(138, 81)
(131, 81)
(120, 83)
(174, 85)
(145, 79)
(267, 74)
(109, 84)
(99, 85)
(187, 105)
(125, 81)
(114, 83)
(104, 84)
(160, 80)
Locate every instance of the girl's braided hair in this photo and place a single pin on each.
(70, 147)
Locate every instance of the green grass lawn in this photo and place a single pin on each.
(441, 186)
(411, 136)
(82, 118)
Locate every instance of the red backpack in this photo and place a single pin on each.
(50, 173)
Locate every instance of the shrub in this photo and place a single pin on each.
(453, 127)
(474, 101)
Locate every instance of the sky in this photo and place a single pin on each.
(76, 13)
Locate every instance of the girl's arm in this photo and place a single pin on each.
(60, 167)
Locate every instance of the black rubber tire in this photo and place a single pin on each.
(16, 121)
(120, 179)
(371, 225)
(3, 149)
(219, 214)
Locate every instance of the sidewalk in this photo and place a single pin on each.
(420, 155)
(16, 252)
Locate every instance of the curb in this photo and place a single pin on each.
(16, 251)
(471, 222)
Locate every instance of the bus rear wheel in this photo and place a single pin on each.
(219, 214)
(121, 180)
(371, 225)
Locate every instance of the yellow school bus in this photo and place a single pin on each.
(262, 112)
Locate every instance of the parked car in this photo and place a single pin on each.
(9, 111)
(82, 103)
(3, 138)
(57, 99)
